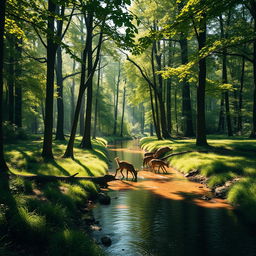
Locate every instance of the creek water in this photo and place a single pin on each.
(163, 215)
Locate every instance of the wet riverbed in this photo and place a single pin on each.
(166, 215)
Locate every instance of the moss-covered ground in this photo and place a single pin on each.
(224, 160)
(49, 218)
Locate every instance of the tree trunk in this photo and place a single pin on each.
(18, 87)
(51, 53)
(221, 125)
(240, 100)
(96, 101)
(3, 165)
(72, 92)
(60, 105)
(116, 101)
(122, 120)
(200, 126)
(169, 94)
(10, 80)
(176, 111)
(253, 132)
(187, 123)
(159, 92)
(225, 80)
(86, 141)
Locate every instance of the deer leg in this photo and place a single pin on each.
(117, 171)
(122, 173)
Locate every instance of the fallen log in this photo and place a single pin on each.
(100, 180)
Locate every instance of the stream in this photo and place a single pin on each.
(163, 215)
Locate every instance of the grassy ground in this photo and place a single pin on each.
(50, 218)
(25, 157)
(226, 159)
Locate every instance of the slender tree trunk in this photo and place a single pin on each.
(156, 125)
(240, 100)
(60, 105)
(116, 101)
(86, 141)
(225, 81)
(187, 123)
(253, 132)
(142, 121)
(176, 111)
(18, 87)
(51, 53)
(159, 93)
(3, 165)
(221, 125)
(151, 130)
(72, 91)
(96, 101)
(10, 80)
(122, 120)
(169, 94)
(200, 125)
(69, 150)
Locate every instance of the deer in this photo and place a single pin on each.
(158, 163)
(146, 160)
(162, 151)
(123, 165)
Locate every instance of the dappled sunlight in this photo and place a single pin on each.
(171, 186)
(26, 159)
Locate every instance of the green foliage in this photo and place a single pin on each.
(12, 132)
(72, 242)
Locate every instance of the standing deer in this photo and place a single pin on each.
(146, 160)
(158, 163)
(123, 165)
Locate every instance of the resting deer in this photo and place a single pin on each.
(161, 151)
(123, 165)
(158, 163)
(146, 160)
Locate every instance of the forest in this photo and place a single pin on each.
(91, 88)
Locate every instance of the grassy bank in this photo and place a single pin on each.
(49, 218)
(225, 160)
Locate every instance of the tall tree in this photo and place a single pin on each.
(117, 98)
(3, 165)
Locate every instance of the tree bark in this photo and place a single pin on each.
(86, 141)
(253, 132)
(225, 81)
(122, 120)
(116, 100)
(3, 165)
(51, 54)
(18, 87)
(96, 100)
(159, 92)
(187, 124)
(169, 94)
(72, 92)
(221, 125)
(200, 127)
(60, 106)
(10, 80)
(240, 100)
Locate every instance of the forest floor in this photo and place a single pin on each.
(50, 218)
(227, 165)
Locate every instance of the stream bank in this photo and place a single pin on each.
(162, 215)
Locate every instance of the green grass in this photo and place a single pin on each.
(25, 157)
(226, 159)
(45, 218)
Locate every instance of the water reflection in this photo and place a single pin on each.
(143, 222)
